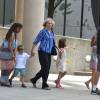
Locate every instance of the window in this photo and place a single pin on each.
(7, 12)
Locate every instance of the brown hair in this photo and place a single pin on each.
(62, 43)
(12, 29)
(20, 47)
(93, 41)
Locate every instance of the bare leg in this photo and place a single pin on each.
(88, 82)
(12, 77)
(60, 76)
(22, 80)
(94, 74)
(96, 78)
(91, 80)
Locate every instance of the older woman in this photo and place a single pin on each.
(47, 45)
(9, 44)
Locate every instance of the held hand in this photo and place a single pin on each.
(57, 48)
(32, 53)
(60, 50)
(13, 57)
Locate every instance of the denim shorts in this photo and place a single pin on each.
(20, 71)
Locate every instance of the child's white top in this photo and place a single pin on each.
(61, 62)
(21, 60)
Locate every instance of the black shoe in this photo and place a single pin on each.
(97, 89)
(45, 85)
(46, 88)
(95, 92)
(10, 81)
(34, 83)
(23, 85)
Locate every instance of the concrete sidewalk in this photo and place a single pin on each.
(74, 89)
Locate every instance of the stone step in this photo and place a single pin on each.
(82, 73)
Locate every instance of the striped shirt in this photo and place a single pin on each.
(46, 40)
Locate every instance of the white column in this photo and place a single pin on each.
(19, 16)
(33, 19)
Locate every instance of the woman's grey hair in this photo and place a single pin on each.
(47, 20)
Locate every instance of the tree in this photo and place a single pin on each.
(53, 4)
(62, 7)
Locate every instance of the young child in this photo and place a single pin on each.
(61, 61)
(20, 65)
(93, 62)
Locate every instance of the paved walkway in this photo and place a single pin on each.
(74, 89)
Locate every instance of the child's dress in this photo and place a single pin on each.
(93, 62)
(61, 61)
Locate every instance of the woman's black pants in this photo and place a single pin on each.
(45, 62)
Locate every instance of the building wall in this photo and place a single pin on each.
(3, 32)
(18, 18)
(76, 55)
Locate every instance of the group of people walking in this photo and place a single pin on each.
(47, 48)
